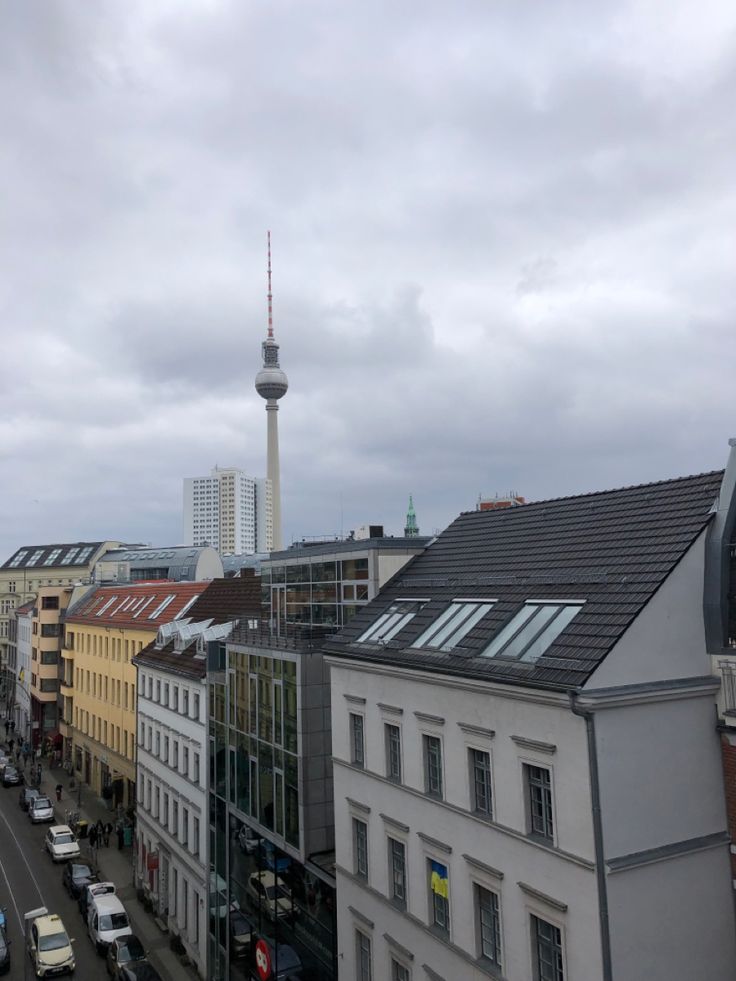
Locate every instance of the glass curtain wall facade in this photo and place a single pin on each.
(320, 593)
(259, 888)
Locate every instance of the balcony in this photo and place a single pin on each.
(66, 728)
(66, 687)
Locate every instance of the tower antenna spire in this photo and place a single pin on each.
(270, 294)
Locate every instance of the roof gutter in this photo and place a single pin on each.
(600, 870)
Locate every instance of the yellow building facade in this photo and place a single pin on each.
(103, 632)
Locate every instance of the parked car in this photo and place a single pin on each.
(40, 809)
(11, 776)
(106, 921)
(61, 844)
(123, 951)
(141, 971)
(4, 945)
(90, 891)
(49, 946)
(248, 839)
(241, 931)
(270, 858)
(267, 891)
(285, 963)
(76, 877)
(27, 794)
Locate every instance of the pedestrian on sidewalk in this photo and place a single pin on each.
(11, 743)
(121, 837)
(106, 832)
(93, 837)
(100, 831)
(59, 788)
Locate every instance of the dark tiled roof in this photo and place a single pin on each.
(612, 549)
(167, 658)
(228, 599)
(36, 556)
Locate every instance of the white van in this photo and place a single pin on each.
(106, 920)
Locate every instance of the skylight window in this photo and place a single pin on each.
(142, 608)
(35, 557)
(53, 557)
(186, 606)
(162, 606)
(453, 624)
(533, 630)
(84, 555)
(105, 606)
(18, 559)
(389, 623)
(69, 556)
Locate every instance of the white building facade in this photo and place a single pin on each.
(171, 783)
(22, 706)
(230, 511)
(536, 803)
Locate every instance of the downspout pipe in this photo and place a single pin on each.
(600, 870)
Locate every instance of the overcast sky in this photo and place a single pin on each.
(503, 245)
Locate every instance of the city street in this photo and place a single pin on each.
(29, 879)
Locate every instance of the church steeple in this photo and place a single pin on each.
(411, 529)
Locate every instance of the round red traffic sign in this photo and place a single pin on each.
(263, 960)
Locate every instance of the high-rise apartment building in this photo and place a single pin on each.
(230, 511)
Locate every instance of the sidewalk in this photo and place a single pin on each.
(116, 866)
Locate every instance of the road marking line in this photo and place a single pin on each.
(25, 862)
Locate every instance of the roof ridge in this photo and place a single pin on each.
(599, 493)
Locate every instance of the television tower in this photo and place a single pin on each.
(271, 385)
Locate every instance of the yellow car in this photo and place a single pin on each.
(49, 946)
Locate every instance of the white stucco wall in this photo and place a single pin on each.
(503, 845)
(183, 787)
(667, 639)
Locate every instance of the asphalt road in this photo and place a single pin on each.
(29, 879)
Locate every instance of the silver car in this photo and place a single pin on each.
(40, 809)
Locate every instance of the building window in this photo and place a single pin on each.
(539, 802)
(399, 972)
(364, 969)
(388, 624)
(185, 826)
(728, 673)
(397, 871)
(47, 602)
(432, 765)
(488, 925)
(357, 743)
(185, 761)
(195, 705)
(195, 836)
(546, 951)
(532, 631)
(195, 760)
(453, 624)
(439, 896)
(393, 752)
(360, 848)
(480, 782)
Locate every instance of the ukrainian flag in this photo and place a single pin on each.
(438, 879)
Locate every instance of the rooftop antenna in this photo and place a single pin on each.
(270, 294)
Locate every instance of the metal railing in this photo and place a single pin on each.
(728, 673)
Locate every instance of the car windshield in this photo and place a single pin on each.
(114, 921)
(53, 941)
(130, 950)
(10, 771)
(63, 839)
(81, 871)
(41, 802)
(275, 892)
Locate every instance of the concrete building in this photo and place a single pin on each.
(171, 781)
(272, 384)
(527, 771)
(230, 511)
(19, 664)
(177, 563)
(45, 683)
(104, 628)
(328, 582)
(31, 567)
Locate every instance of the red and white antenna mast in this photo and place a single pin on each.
(270, 294)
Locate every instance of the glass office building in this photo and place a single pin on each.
(271, 809)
